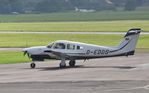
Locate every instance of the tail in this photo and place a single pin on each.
(128, 45)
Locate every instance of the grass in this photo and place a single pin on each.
(26, 40)
(75, 21)
(12, 57)
(76, 26)
(76, 16)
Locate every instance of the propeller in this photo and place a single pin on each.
(26, 53)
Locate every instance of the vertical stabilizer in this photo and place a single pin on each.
(129, 42)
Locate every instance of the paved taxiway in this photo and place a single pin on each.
(110, 75)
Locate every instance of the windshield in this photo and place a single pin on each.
(50, 45)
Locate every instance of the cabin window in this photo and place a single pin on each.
(79, 48)
(70, 47)
(50, 45)
(59, 46)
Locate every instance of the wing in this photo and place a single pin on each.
(59, 54)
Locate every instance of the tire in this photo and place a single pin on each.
(33, 65)
(72, 63)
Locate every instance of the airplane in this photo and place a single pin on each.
(84, 10)
(68, 50)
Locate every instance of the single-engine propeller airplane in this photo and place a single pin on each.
(68, 50)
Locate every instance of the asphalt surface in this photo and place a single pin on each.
(110, 75)
(11, 49)
(78, 87)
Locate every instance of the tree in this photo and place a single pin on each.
(139, 2)
(130, 5)
(118, 3)
(91, 4)
(4, 7)
(16, 6)
(51, 6)
(9, 6)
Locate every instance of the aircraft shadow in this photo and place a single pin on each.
(82, 66)
(57, 68)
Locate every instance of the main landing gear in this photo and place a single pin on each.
(63, 63)
(72, 63)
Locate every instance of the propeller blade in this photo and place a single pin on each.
(28, 55)
(25, 52)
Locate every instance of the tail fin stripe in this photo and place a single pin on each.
(121, 47)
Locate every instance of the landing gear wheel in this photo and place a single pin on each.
(72, 63)
(62, 65)
(33, 65)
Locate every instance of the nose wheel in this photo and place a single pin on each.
(32, 65)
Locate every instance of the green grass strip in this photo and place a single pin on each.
(76, 16)
(26, 40)
(93, 26)
(7, 57)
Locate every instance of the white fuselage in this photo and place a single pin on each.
(80, 50)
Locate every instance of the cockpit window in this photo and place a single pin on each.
(50, 45)
(59, 46)
(70, 47)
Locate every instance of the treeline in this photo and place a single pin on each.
(48, 6)
(67, 5)
(8, 6)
